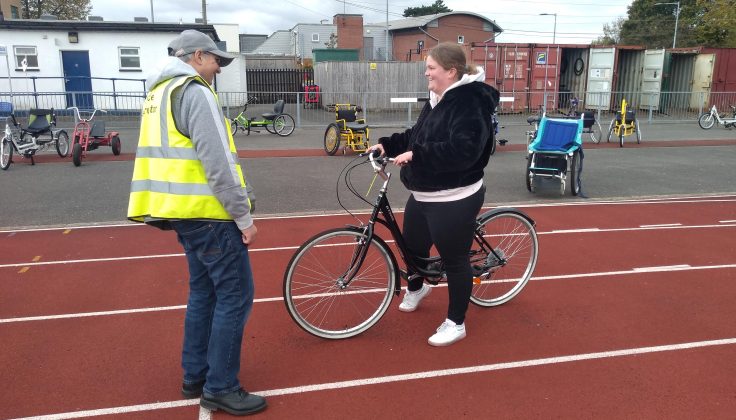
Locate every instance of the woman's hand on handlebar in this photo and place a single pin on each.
(403, 158)
(378, 147)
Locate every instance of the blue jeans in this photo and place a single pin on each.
(220, 300)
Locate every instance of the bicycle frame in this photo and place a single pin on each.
(383, 214)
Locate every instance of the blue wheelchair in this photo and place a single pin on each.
(556, 152)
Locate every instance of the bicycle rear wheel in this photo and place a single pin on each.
(283, 125)
(499, 277)
(318, 299)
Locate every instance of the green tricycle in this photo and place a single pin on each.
(276, 122)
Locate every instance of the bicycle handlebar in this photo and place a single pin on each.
(79, 116)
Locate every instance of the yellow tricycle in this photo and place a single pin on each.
(347, 129)
(624, 124)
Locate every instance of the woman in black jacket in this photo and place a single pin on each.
(442, 159)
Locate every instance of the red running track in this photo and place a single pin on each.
(630, 314)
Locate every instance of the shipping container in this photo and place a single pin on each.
(507, 69)
(530, 76)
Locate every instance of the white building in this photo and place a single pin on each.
(52, 63)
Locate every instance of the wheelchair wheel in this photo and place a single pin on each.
(577, 165)
(62, 143)
(284, 125)
(332, 139)
(596, 132)
(529, 174)
(621, 132)
(493, 145)
(610, 130)
(638, 131)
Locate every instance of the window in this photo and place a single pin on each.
(27, 54)
(315, 37)
(129, 58)
(14, 12)
(460, 39)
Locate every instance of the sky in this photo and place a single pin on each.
(577, 21)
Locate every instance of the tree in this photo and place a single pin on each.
(332, 43)
(437, 7)
(611, 33)
(62, 9)
(710, 23)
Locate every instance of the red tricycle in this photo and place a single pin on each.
(89, 136)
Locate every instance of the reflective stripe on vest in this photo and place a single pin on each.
(169, 181)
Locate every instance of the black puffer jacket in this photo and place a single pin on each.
(451, 143)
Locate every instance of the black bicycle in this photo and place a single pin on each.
(341, 281)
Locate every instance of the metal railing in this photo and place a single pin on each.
(124, 107)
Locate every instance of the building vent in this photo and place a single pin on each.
(95, 18)
(48, 17)
(140, 19)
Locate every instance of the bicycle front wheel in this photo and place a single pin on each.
(706, 121)
(500, 275)
(6, 153)
(62, 143)
(320, 299)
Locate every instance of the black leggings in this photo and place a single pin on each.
(449, 226)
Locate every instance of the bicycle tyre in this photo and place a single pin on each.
(513, 236)
(319, 304)
(596, 132)
(77, 154)
(332, 139)
(529, 175)
(621, 131)
(233, 127)
(6, 153)
(270, 126)
(116, 145)
(284, 125)
(638, 131)
(62, 143)
(706, 121)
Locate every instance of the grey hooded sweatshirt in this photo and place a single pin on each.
(198, 116)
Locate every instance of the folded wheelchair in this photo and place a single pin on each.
(556, 152)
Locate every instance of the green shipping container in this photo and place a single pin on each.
(336, 54)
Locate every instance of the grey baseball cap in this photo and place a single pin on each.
(192, 40)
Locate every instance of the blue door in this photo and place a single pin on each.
(77, 79)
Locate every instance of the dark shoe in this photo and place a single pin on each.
(238, 403)
(190, 391)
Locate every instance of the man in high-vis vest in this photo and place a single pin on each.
(187, 177)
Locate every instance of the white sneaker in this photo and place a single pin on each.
(412, 299)
(447, 333)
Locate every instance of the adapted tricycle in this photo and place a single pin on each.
(38, 136)
(89, 135)
(347, 129)
(624, 124)
(276, 122)
(556, 152)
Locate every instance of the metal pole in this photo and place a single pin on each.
(387, 54)
(554, 30)
(204, 11)
(152, 20)
(677, 18)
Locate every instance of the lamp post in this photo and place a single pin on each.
(677, 17)
(554, 32)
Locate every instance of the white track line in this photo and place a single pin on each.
(403, 377)
(641, 200)
(682, 267)
(291, 248)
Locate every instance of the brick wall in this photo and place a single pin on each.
(349, 31)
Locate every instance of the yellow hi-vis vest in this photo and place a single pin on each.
(169, 181)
